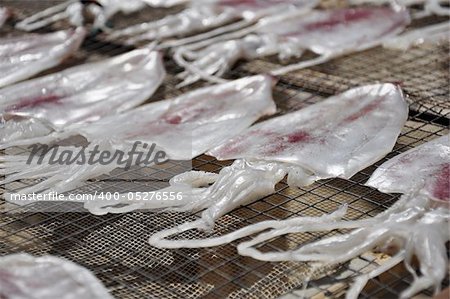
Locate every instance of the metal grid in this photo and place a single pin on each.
(115, 247)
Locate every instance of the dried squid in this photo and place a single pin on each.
(23, 276)
(430, 6)
(205, 15)
(78, 95)
(27, 55)
(4, 15)
(417, 224)
(73, 10)
(431, 34)
(165, 3)
(334, 138)
(327, 33)
(184, 127)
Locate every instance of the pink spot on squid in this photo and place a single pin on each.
(441, 188)
(173, 120)
(341, 17)
(278, 144)
(364, 111)
(34, 102)
(299, 136)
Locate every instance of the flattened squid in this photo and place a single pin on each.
(4, 15)
(77, 95)
(27, 55)
(23, 276)
(72, 10)
(327, 33)
(418, 224)
(431, 7)
(334, 138)
(184, 127)
(431, 34)
(206, 15)
(165, 3)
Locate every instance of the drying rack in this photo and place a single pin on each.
(115, 247)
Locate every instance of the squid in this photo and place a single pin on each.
(328, 34)
(416, 225)
(73, 10)
(430, 6)
(206, 15)
(334, 138)
(78, 95)
(165, 3)
(431, 34)
(25, 56)
(184, 127)
(25, 276)
(4, 15)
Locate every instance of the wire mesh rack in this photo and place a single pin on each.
(115, 247)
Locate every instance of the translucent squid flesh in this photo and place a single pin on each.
(4, 15)
(165, 3)
(23, 276)
(205, 15)
(184, 127)
(78, 95)
(73, 10)
(334, 138)
(326, 33)
(25, 56)
(417, 224)
(431, 34)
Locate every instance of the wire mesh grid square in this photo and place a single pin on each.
(115, 247)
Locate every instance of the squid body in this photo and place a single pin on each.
(431, 34)
(183, 127)
(28, 55)
(4, 15)
(417, 225)
(165, 3)
(326, 33)
(23, 276)
(334, 138)
(78, 95)
(206, 15)
(73, 11)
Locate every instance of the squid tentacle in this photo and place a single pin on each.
(423, 232)
(179, 183)
(432, 33)
(212, 62)
(361, 281)
(158, 239)
(435, 7)
(70, 9)
(207, 35)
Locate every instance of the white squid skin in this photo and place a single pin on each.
(23, 276)
(184, 127)
(304, 145)
(25, 56)
(72, 10)
(165, 3)
(4, 15)
(327, 33)
(206, 15)
(431, 34)
(417, 224)
(78, 95)
(431, 7)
